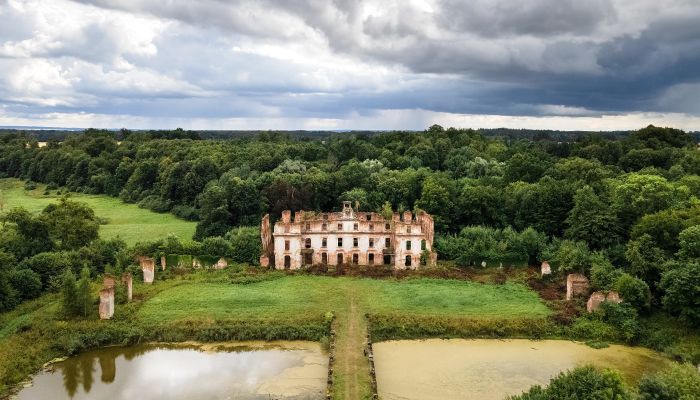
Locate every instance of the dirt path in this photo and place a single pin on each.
(351, 379)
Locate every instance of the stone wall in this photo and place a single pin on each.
(107, 302)
(576, 285)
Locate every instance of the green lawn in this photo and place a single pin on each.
(127, 221)
(305, 295)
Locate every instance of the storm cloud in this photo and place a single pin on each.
(348, 64)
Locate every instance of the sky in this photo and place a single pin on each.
(342, 64)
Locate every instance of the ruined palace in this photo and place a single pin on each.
(348, 237)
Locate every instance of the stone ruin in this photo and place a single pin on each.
(576, 285)
(163, 263)
(545, 269)
(107, 303)
(598, 298)
(148, 266)
(128, 282)
(221, 264)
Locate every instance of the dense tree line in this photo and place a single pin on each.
(627, 202)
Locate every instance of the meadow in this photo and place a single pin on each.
(126, 221)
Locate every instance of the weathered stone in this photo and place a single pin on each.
(594, 302)
(613, 297)
(148, 269)
(268, 246)
(545, 269)
(483, 264)
(576, 285)
(163, 263)
(109, 281)
(107, 303)
(221, 264)
(598, 298)
(127, 281)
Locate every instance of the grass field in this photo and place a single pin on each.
(126, 221)
(316, 294)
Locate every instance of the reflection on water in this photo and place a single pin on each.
(492, 369)
(251, 370)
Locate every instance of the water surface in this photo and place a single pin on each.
(492, 369)
(248, 370)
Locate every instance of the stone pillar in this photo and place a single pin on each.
(594, 302)
(576, 285)
(148, 268)
(613, 297)
(286, 216)
(127, 281)
(545, 269)
(221, 264)
(109, 281)
(407, 216)
(107, 303)
(162, 262)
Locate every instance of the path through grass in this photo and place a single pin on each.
(350, 299)
(127, 221)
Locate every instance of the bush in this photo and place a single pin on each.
(604, 275)
(633, 291)
(26, 283)
(582, 383)
(155, 203)
(29, 185)
(185, 212)
(246, 244)
(217, 247)
(624, 318)
(677, 382)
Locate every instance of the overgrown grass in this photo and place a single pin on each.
(308, 295)
(127, 221)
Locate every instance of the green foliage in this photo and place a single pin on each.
(676, 382)
(592, 221)
(70, 300)
(689, 242)
(571, 256)
(217, 247)
(582, 383)
(245, 243)
(26, 283)
(633, 291)
(475, 244)
(71, 224)
(624, 318)
(83, 295)
(681, 286)
(645, 259)
(603, 274)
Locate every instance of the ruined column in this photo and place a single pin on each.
(148, 268)
(107, 303)
(545, 269)
(221, 264)
(594, 302)
(127, 281)
(576, 285)
(162, 263)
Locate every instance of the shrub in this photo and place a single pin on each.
(604, 274)
(69, 290)
(155, 203)
(633, 291)
(676, 382)
(217, 247)
(246, 244)
(185, 212)
(582, 383)
(624, 318)
(26, 283)
(30, 185)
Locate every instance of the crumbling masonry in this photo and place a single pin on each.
(348, 237)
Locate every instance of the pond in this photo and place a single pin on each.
(246, 370)
(492, 369)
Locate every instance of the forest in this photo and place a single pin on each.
(621, 208)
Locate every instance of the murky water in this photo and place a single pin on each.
(248, 370)
(492, 369)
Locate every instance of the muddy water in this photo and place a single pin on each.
(492, 369)
(248, 370)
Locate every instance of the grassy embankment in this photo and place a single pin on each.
(126, 221)
(206, 306)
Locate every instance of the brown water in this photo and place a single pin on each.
(492, 369)
(249, 370)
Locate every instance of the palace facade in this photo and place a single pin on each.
(348, 237)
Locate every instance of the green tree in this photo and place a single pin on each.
(83, 295)
(71, 224)
(689, 242)
(645, 259)
(436, 200)
(675, 382)
(633, 291)
(69, 291)
(245, 242)
(681, 286)
(26, 283)
(592, 221)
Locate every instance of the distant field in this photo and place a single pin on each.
(127, 221)
(299, 295)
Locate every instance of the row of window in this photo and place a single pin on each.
(355, 259)
(355, 243)
(355, 227)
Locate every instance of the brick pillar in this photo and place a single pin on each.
(107, 303)
(128, 282)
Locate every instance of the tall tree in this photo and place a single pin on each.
(592, 221)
